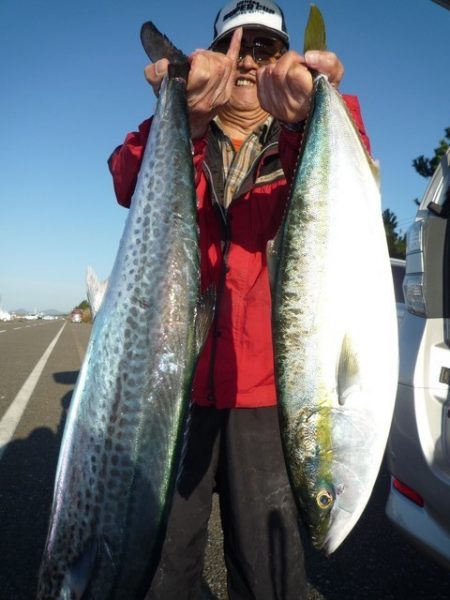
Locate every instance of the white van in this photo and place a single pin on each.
(76, 317)
(418, 454)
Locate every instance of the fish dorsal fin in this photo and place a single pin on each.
(204, 317)
(348, 371)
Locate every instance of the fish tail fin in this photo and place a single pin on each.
(315, 37)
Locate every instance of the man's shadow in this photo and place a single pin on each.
(27, 472)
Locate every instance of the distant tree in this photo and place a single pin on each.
(85, 308)
(84, 305)
(427, 166)
(396, 242)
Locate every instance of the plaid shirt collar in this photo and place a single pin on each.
(236, 165)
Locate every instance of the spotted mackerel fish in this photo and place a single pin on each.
(123, 437)
(334, 324)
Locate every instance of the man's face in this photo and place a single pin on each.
(258, 48)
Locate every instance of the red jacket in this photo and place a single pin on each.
(235, 368)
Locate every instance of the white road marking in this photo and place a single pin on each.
(11, 418)
(2, 330)
(16, 328)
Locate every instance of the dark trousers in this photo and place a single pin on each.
(238, 452)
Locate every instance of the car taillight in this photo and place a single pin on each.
(414, 294)
(413, 283)
(414, 237)
(405, 490)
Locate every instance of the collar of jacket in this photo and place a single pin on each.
(264, 169)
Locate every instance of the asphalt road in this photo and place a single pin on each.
(375, 562)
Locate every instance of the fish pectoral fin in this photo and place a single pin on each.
(80, 572)
(348, 371)
(204, 317)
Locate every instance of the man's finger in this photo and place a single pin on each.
(235, 45)
(322, 61)
(161, 68)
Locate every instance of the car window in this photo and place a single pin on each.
(398, 273)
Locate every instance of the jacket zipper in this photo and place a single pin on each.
(215, 331)
(226, 228)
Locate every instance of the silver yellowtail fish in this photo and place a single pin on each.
(121, 446)
(334, 321)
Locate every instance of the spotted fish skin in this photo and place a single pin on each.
(122, 441)
(334, 325)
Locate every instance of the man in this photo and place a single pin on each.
(248, 97)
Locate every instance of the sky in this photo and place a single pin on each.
(72, 86)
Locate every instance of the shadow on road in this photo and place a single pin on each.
(66, 378)
(374, 563)
(27, 472)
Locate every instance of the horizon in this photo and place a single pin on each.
(70, 99)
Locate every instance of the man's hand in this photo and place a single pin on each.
(155, 72)
(210, 81)
(285, 87)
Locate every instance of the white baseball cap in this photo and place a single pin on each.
(258, 14)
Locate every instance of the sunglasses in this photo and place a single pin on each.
(263, 50)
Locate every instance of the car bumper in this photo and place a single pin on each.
(418, 525)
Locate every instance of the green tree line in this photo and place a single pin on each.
(425, 167)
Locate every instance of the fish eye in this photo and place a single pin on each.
(324, 499)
